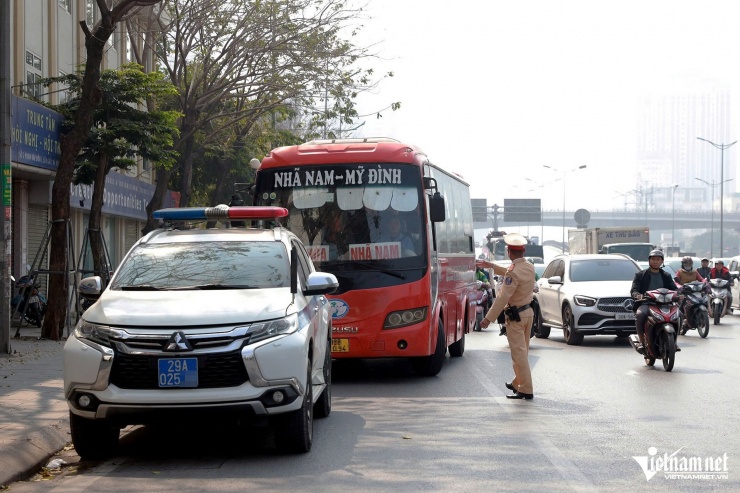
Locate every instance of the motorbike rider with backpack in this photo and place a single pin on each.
(654, 277)
(719, 271)
(686, 274)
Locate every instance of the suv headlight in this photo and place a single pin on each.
(282, 326)
(99, 334)
(584, 300)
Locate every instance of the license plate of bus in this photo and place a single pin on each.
(340, 345)
(624, 316)
(178, 372)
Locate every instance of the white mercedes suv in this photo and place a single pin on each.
(232, 322)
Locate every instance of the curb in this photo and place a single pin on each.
(22, 459)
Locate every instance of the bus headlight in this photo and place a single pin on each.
(402, 318)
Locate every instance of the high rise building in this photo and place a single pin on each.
(669, 153)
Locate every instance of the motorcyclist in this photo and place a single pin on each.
(719, 271)
(704, 269)
(654, 277)
(685, 275)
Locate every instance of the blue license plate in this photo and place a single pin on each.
(178, 372)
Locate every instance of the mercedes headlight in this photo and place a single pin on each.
(282, 326)
(584, 300)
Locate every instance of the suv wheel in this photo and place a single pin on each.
(92, 438)
(322, 408)
(572, 336)
(294, 430)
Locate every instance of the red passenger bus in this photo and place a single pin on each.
(396, 230)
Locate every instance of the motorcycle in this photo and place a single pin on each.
(695, 308)
(661, 328)
(29, 301)
(719, 299)
(481, 301)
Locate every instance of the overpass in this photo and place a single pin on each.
(656, 220)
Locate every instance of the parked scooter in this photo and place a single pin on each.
(29, 301)
(661, 328)
(695, 308)
(718, 299)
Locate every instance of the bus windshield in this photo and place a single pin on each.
(351, 217)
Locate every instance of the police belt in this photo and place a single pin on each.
(513, 312)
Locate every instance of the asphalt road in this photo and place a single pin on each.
(598, 412)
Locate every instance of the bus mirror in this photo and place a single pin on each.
(436, 208)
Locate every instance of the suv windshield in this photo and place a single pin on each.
(602, 270)
(204, 265)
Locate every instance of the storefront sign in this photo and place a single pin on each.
(35, 134)
(123, 196)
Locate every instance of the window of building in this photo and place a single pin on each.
(63, 92)
(91, 13)
(65, 4)
(33, 74)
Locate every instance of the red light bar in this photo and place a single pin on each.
(220, 212)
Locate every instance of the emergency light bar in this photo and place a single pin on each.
(219, 212)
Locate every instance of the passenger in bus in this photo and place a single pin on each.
(335, 237)
(395, 232)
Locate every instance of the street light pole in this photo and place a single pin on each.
(711, 236)
(673, 217)
(564, 172)
(722, 148)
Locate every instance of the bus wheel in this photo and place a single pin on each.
(429, 366)
(457, 348)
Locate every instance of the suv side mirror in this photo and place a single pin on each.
(320, 283)
(90, 287)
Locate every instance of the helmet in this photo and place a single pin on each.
(656, 253)
(687, 264)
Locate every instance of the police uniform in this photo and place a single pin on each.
(515, 297)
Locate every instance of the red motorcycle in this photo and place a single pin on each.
(661, 328)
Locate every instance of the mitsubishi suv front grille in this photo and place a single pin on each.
(215, 370)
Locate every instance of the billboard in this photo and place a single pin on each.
(480, 207)
(522, 211)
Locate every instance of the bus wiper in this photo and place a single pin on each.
(384, 271)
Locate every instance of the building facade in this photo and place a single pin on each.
(47, 41)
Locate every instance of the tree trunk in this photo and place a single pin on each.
(71, 144)
(187, 172)
(94, 231)
(160, 189)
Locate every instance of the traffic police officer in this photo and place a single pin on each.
(514, 300)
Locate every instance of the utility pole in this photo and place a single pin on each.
(6, 218)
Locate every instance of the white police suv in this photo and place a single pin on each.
(232, 322)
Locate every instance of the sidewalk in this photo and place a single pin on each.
(34, 418)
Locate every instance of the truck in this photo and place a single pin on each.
(632, 241)
(498, 250)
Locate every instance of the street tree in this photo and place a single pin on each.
(111, 13)
(121, 132)
(239, 63)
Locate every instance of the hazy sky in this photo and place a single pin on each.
(496, 89)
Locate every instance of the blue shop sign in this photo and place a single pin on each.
(35, 134)
(122, 196)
